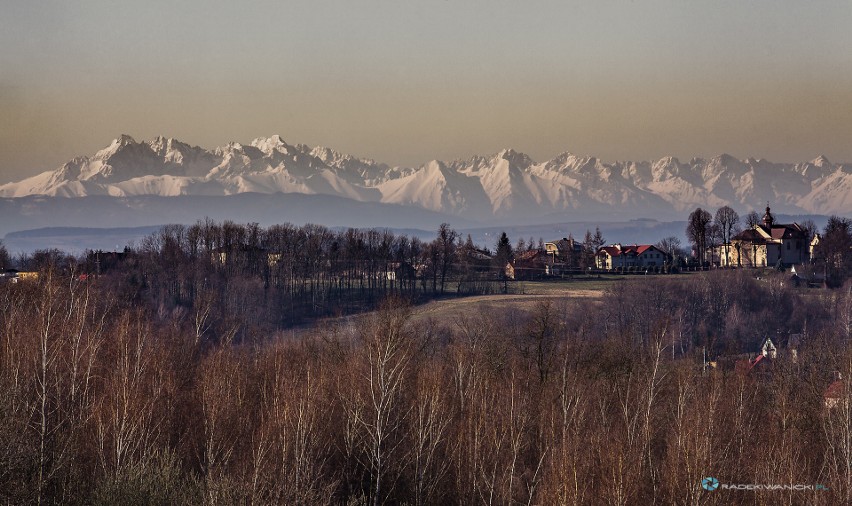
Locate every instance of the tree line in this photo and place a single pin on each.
(284, 274)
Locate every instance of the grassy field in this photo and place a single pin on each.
(523, 296)
(566, 286)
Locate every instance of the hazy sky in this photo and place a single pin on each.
(406, 82)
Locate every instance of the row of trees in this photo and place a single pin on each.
(107, 401)
(284, 274)
(705, 230)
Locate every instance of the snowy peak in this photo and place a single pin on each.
(821, 161)
(117, 144)
(122, 140)
(270, 144)
(506, 185)
(163, 146)
(327, 155)
(332, 158)
(515, 158)
(725, 159)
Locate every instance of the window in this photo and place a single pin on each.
(788, 245)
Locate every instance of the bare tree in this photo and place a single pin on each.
(223, 394)
(289, 446)
(125, 424)
(541, 338)
(696, 230)
(446, 243)
(429, 428)
(752, 219)
(671, 246)
(727, 220)
(375, 405)
(202, 318)
(714, 242)
(695, 423)
(810, 229)
(564, 483)
(48, 314)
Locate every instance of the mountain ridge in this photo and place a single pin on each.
(507, 184)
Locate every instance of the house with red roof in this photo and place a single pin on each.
(762, 363)
(617, 256)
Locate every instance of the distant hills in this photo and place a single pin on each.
(100, 211)
(78, 239)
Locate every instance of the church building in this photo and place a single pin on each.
(767, 243)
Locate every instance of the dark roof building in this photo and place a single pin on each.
(768, 243)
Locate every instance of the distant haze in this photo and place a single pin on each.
(405, 82)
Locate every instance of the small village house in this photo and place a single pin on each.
(15, 276)
(617, 256)
(528, 265)
(786, 349)
(563, 249)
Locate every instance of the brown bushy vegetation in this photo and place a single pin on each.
(109, 398)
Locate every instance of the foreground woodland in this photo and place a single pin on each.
(108, 400)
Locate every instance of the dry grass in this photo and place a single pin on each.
(524, 296)
(533, 293)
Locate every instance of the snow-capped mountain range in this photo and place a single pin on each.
(506, 185)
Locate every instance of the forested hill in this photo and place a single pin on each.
(162, 382)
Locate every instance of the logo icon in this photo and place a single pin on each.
(710, 483)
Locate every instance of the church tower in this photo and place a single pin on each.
(768, 220)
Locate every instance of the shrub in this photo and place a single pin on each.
(160, 480)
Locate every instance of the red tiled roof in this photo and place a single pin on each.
(610, 250)
(634, 249)
(643, 248)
